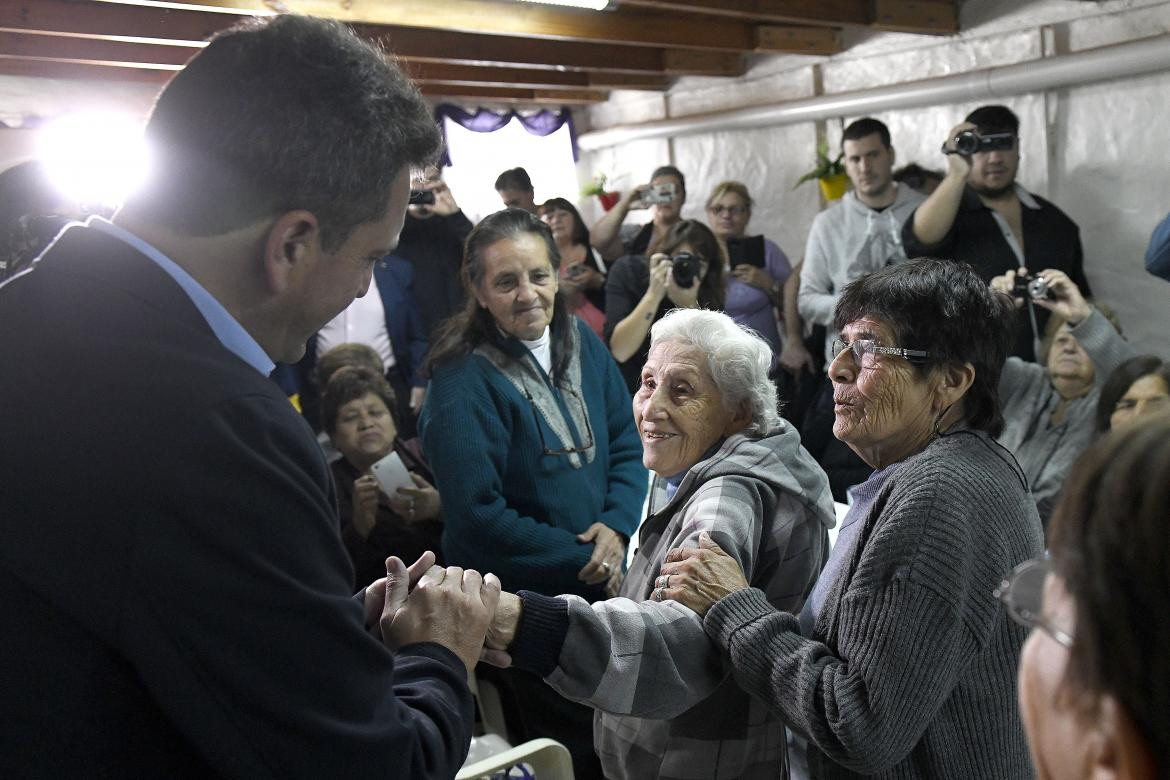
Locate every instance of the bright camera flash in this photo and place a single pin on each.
(94, 158)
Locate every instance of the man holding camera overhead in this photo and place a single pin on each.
(980, 215)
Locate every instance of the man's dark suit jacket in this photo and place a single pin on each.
(174, 595)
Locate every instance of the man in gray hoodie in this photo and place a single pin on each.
(860, 233)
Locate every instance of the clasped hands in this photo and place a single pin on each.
(428, 603)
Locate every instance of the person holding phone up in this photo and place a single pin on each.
(357, 413)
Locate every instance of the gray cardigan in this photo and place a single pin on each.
(667, 705)
(1046, 452)
(910, 671)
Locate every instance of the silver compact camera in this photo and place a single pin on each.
(1034, 287)
(659, 193)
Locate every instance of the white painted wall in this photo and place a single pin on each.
(1101, 152)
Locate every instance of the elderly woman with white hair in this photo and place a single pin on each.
(724, 463)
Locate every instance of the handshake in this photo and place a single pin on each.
(457, 608)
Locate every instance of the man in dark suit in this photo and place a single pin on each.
(173, 588)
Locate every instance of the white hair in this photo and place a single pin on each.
(737, 358)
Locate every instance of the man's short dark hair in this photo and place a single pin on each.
(946, 309)
(514, 179)
(865, 127)
(289, 112)
(670, 170)
(916, 177)
(994, 119)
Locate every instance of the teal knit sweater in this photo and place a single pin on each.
(509, 508)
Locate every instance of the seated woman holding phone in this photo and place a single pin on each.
(757, 268)
(685, 273)
(384, 495)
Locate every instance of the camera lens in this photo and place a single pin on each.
(967, 142)
(685, 267)
(1038, 289)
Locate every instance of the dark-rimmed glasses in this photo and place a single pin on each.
(863, 347)
(1022, 592)
(547, 450)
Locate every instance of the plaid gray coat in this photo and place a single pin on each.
(667, 705)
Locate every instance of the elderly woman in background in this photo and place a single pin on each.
(1094, 676)
(1049, 410)
(527, 428)
(1138, 387)
(685, 273)
(757, 269)
(725, 464)
(358, 412)
(901, 662)
(582, 269)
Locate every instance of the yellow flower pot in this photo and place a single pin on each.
(833, 187)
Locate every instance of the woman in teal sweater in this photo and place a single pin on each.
(528, 430)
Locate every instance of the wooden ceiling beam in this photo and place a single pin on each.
(81, 71)
(512, 96)
(180, 27)
(626, 26)
(929, 17)
(529, 78)
(468, 49)
(125, 53)
(932, 17)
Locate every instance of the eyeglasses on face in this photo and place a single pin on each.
(734, 211)
(547, 450)
(1022, 592)
(862, 347)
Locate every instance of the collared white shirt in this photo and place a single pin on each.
(1028, 202)
(362, 322)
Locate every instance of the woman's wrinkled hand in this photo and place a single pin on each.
(608, 551)
(698, 577)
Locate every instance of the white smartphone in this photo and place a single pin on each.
(392, 474)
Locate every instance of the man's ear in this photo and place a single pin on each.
(291, 247)
(1117, 750)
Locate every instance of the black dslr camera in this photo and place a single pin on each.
(685, 267)
(1034, 287)
(969, 142)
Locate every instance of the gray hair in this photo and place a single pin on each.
(737, 358)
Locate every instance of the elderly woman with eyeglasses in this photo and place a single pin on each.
(1094, 676)
(901, 662)
(724, 464)
(527, 429)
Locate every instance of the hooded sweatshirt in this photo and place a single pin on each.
(847, 241)
(667, 706)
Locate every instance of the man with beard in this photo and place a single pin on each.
(980, 215)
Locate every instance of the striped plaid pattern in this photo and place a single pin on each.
(667, 705)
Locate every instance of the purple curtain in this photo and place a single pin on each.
(484, 121)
